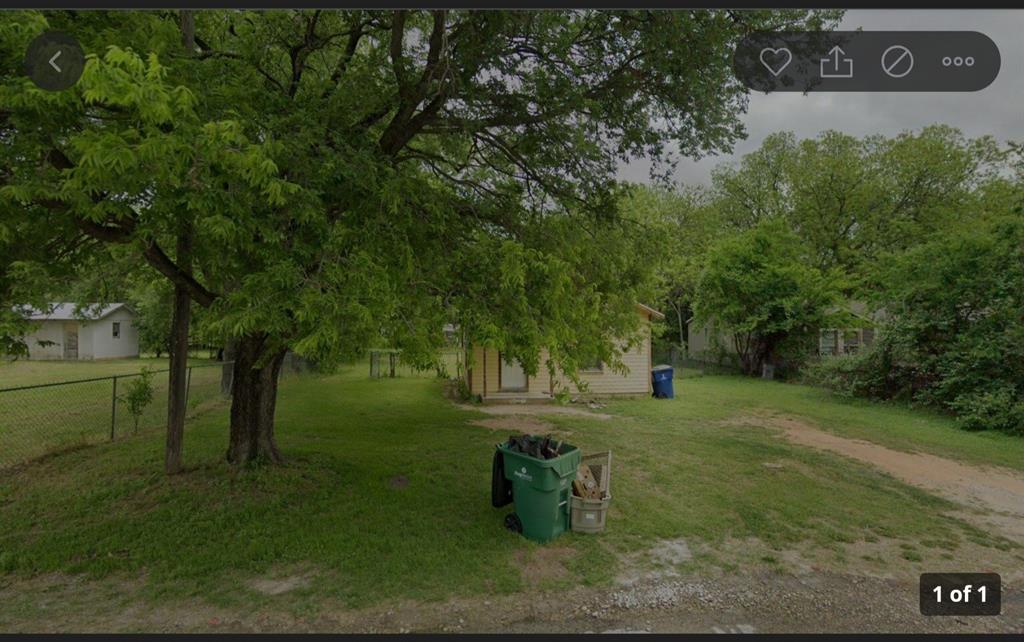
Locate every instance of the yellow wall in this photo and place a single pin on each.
(484, 374)
(636, 382)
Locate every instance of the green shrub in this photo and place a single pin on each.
(1001, 408)
(138, 395)
(841, 374)
(954, 338)
(869, 373)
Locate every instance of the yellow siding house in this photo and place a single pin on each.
(495, 379)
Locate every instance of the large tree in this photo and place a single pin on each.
(759, 287)
(684, 222)
(320, 179)
(853, 199)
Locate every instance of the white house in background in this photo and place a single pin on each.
(95, 331)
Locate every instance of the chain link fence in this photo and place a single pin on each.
(689, 365)
(387, 363)
(40, 419)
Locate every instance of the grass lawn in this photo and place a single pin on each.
(37, 421)
(29, 373)
(892, 425)
(386, 496)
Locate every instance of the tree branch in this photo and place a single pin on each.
(163, 264)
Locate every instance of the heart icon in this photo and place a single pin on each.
(776, 60)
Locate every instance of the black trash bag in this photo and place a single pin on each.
(536, 447)
(501, 488)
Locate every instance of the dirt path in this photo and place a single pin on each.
(765, 602)
(529, 418)
(998, 492)
(535, 409)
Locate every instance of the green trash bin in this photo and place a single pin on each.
(541, 489)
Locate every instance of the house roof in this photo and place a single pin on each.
(73, 311)
(651, 311)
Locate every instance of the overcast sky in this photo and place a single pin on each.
(997, 110)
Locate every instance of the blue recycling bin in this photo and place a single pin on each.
(661, 377)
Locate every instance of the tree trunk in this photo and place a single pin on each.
(746, 348)
(682, 330)
(253, 402)
(188, 31)
(177, 388)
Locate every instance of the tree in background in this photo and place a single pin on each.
(320, 179)
(948, 277)
(954, 333)
(759, 287)
(683, 223)
(153, 304)
(852, 199)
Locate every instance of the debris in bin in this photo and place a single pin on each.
(585, 485)
(536, 447)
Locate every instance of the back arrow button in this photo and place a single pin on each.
(54, 61)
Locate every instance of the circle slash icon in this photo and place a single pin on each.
(897, 61)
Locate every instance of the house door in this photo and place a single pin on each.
(71, 341)
(512, 376)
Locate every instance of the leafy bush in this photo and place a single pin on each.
(1001, 408)
(955, 334)
(844, 374)
(138, 395)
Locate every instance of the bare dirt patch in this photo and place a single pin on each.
(544, 565)
(515, 424)
(536, 409)
(657, 563)
(997, 492)
(279, 585)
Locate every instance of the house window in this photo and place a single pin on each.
(867, 337)
(828, 342)
(116, 330)
(594, 365)
(511, 375)
(851, 341)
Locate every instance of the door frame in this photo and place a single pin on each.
(71, 328)
(501, 386)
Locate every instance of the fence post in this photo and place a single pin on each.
(227, 374)
(113, 408)
(188, 387)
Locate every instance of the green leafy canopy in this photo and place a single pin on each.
(364, 177)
